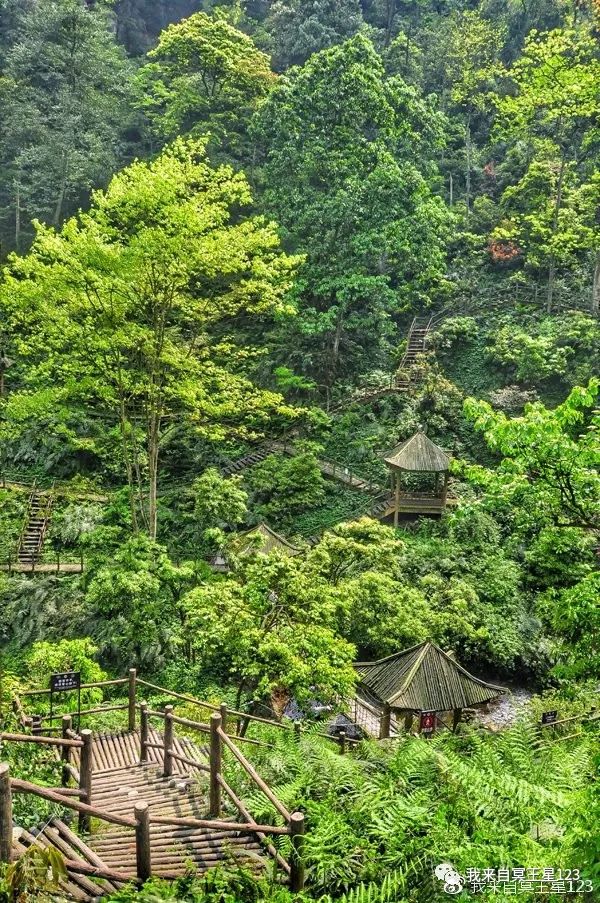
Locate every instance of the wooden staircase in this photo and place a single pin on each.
(119, 781)
(417, 342)
(249, 460)
(31, 541)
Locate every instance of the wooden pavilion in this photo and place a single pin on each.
(419, 455)
(421, 679)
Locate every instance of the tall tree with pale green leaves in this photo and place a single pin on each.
(471, 66)
(133, 310)
(272, 632)
(550, 458)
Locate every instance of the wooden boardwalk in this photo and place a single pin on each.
(65, 567)
(119, 782)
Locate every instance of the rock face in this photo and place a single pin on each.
(139, 22)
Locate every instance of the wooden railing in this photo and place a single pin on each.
(294, 822)
(591, 717)
(39, 723)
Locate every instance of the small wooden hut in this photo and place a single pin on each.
(268, 541)
(419, 455)
(421, 679)
(261, 539)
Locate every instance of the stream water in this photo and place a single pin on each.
(506, 710)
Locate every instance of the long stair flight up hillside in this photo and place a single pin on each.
(416, 344)
(31, 541)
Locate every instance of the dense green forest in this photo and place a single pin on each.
(248, 248)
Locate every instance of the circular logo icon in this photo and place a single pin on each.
(453, 882)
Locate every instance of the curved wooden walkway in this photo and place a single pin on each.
(119, 781)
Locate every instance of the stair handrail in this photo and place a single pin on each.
(50, 498)
(142, 819)
(32, 494)
(294, 822)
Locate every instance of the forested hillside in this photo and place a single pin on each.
(299, 368)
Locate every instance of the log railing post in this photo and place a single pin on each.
(216, 756)
(142, 841)
(168, 742)
(132, 690)
(342, 741)
(143, 732)
(6, 822)
(384, 724)
(296, 860)
(85, 779)
(36, 725)
(65, 753)
(223, 713)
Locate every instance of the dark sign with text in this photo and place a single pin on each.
(427, 722)
(549, 717)
(67, 680)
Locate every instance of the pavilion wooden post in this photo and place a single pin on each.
(132, 689)
(384, 723)
(143, 733)
(85, 779)
(216, 757)
(6, 824)
(408, 722)
(65, 753)
(445, 488)
(168, 742)
(397, 503)
(296, 860)
(142, 841)
(456, 716)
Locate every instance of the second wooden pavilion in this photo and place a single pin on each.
(419, 455)
(421, 679)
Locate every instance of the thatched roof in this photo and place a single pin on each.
(270, 541)
(424, 679)
(419, 454)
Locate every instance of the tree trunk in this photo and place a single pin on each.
(468, 164)
(335, 347)
(550, 292)
(407, 51)
(391, 15)
(17, 216)
(596, 287)
(61, 192)
(555, 221)
(128, 467)
(153, 443)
